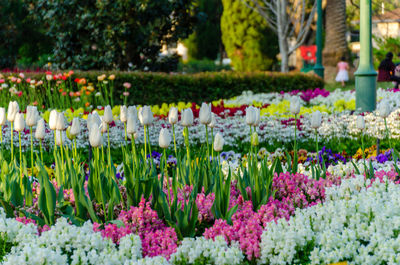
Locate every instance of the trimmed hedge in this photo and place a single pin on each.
(156, 88)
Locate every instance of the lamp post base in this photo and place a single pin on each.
(366, 90)
(319, 70)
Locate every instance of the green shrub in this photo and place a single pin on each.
(156, 88)
(198, 66)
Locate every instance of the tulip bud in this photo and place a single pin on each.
(250, 115)
(173, 115)
(31, 116)
(316, 119)
(205, 114)
(360, 123)
(132, 111)
(123, 113)
(53, 119)
(165, 138)
(187, 117)
(295, 106)
(12, 111)
(108, 116)
(95, 138)
(40, 130)
(131, 126)
(58, 137)
(2, 116)
(60, 125)
(68, 133)
(384, 109)
(145, 115)
(19, 122)
(254, 139)
(213, 122)
(75, 127)
(218, 142)
(257, 117)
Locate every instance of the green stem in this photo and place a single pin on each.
(41, 151)
(109, 148)
(55, 141)
(20, 156)
(12, 142)
(148, 141)
(62, 158)
(173, 133)
(75, 152)
(126, 137)
(99, 181)
(251, 147)
(30, 128)
(208, 147)
(316, 143)
(212, 144)
(166, 176)
(145, 144)
(133, 150)
(363, 152)
(187, 145)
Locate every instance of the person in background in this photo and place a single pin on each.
(386, 70)
(343, 71)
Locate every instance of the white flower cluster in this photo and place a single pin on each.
(69, 244)
(207, 251)
(356, 224)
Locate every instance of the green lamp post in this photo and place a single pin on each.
(319, 68)
(366, 74)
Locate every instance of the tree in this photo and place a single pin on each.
(22, 38)
(248, 41)
(205, 41)
(108, 34)
(335, 36)
(289, 19)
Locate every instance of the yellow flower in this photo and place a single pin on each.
(101, 77)
(111, 77)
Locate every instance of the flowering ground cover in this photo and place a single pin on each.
(177, 196)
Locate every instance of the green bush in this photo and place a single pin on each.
(198, 66)
(156, 88)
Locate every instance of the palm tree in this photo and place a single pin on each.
(335, 36)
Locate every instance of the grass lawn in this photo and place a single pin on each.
(351, 85)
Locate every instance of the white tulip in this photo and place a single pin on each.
(19, 122)
(40, 130)
(384, 109)
(123, 113)
(12, 111)
(164, 138)
(257, 117)
(95, 119)
(131, 126)
(360, 123)
(213, 122)
(205, 114)
(103, 126)
(108, 116)
(31, 116)
(187, 117)
(251, 115)
(89, 121)
(173, 115)
(53, 119)
(95, 138)
(59, 136)
(2, 116)
(316, 119)
(145, 116)
(60, 126)
(132, 111)
(295, 106)
(75, 127)
(218, 142)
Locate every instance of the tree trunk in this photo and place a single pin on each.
(335, 37)
(284, 52)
